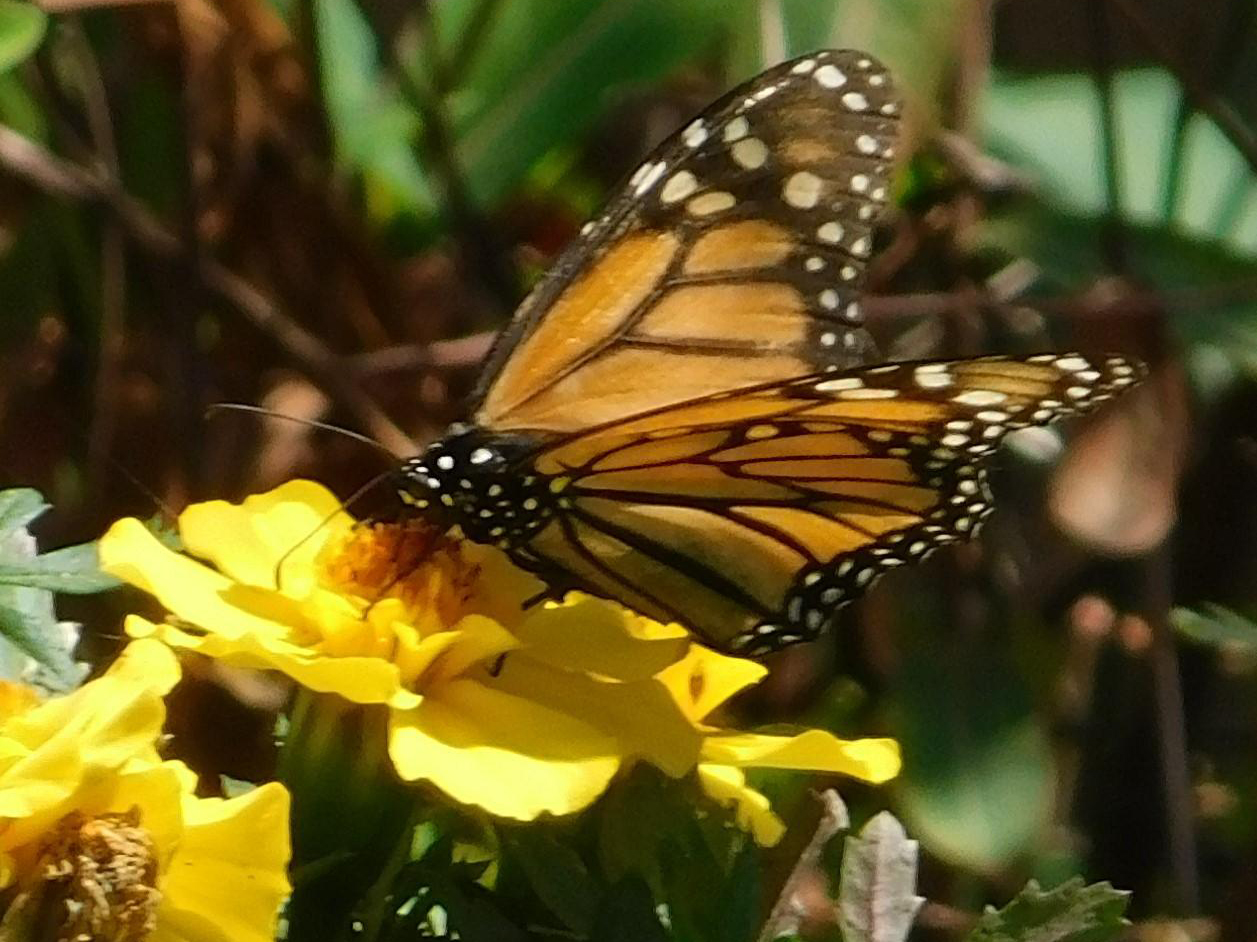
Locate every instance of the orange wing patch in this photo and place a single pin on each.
(632, 379)
(758, 315)
(739, 246)
(587, 315)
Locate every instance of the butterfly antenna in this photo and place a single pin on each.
(311, 423)
(140, 486)
(344, 505)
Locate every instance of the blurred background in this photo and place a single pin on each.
(327, 207)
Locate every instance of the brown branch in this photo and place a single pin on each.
(443, 354)
(28, 161)
(1172, 732)
(1113, 241)
(113, 259)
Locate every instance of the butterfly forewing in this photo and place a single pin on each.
(734, 255)
(751, 517)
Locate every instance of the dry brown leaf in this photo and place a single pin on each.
(1115, 491)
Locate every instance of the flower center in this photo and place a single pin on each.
(411, 561)
(96, 879)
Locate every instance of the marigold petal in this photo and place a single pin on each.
(246, 541)
(727, 786)
(641, 714)
(190, 590)
(476, 640)
(358, 679)
(704, 679)
(57, 748)
(600, 637)
(508, 755)
(502, 588)
(873, 760)
(227, 879)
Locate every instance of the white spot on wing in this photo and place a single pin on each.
(695, 133)
(750, 153)
(840, 384)
(647, 176)
(869, 394)
(736, 129)
(679, 186)
(830, 232)
(713, 202)
(802, 190)
(980, 397)
(830, 76)
(855, 101)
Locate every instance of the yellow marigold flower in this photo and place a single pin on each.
(521, 711)
(104, 839)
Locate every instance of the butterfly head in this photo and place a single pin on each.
(479, 481)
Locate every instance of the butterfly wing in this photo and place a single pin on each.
(732, 256)
(752, 516)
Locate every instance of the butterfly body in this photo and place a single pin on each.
(481, 482)
(679, 416)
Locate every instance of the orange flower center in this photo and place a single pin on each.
(411, 561)
(96, 879)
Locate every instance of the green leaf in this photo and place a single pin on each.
(1065, 247)
(73, 569)
(1072, 912)
(1048, 125)
(546, 69)
(18, 507)
(977, 782)
(40, 638)
(915, 38)
(877, 900)
(1217, 626)
(373, 129)
(557, 875)
(807, 25)
(22, 28)
(34, 646)
(740, 912)
(627, 914)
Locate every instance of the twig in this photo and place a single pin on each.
(443, 354)
(834, 820)
(1171, 727)
(478, 239)
(1113, 232)
(26, 160)
(451, 68)
(1224, 116)
(113, 259)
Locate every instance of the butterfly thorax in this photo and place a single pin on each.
(481, 481)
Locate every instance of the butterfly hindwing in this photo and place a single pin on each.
(733, 255)
(751, 517)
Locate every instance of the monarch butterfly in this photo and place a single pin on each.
(676, 417)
